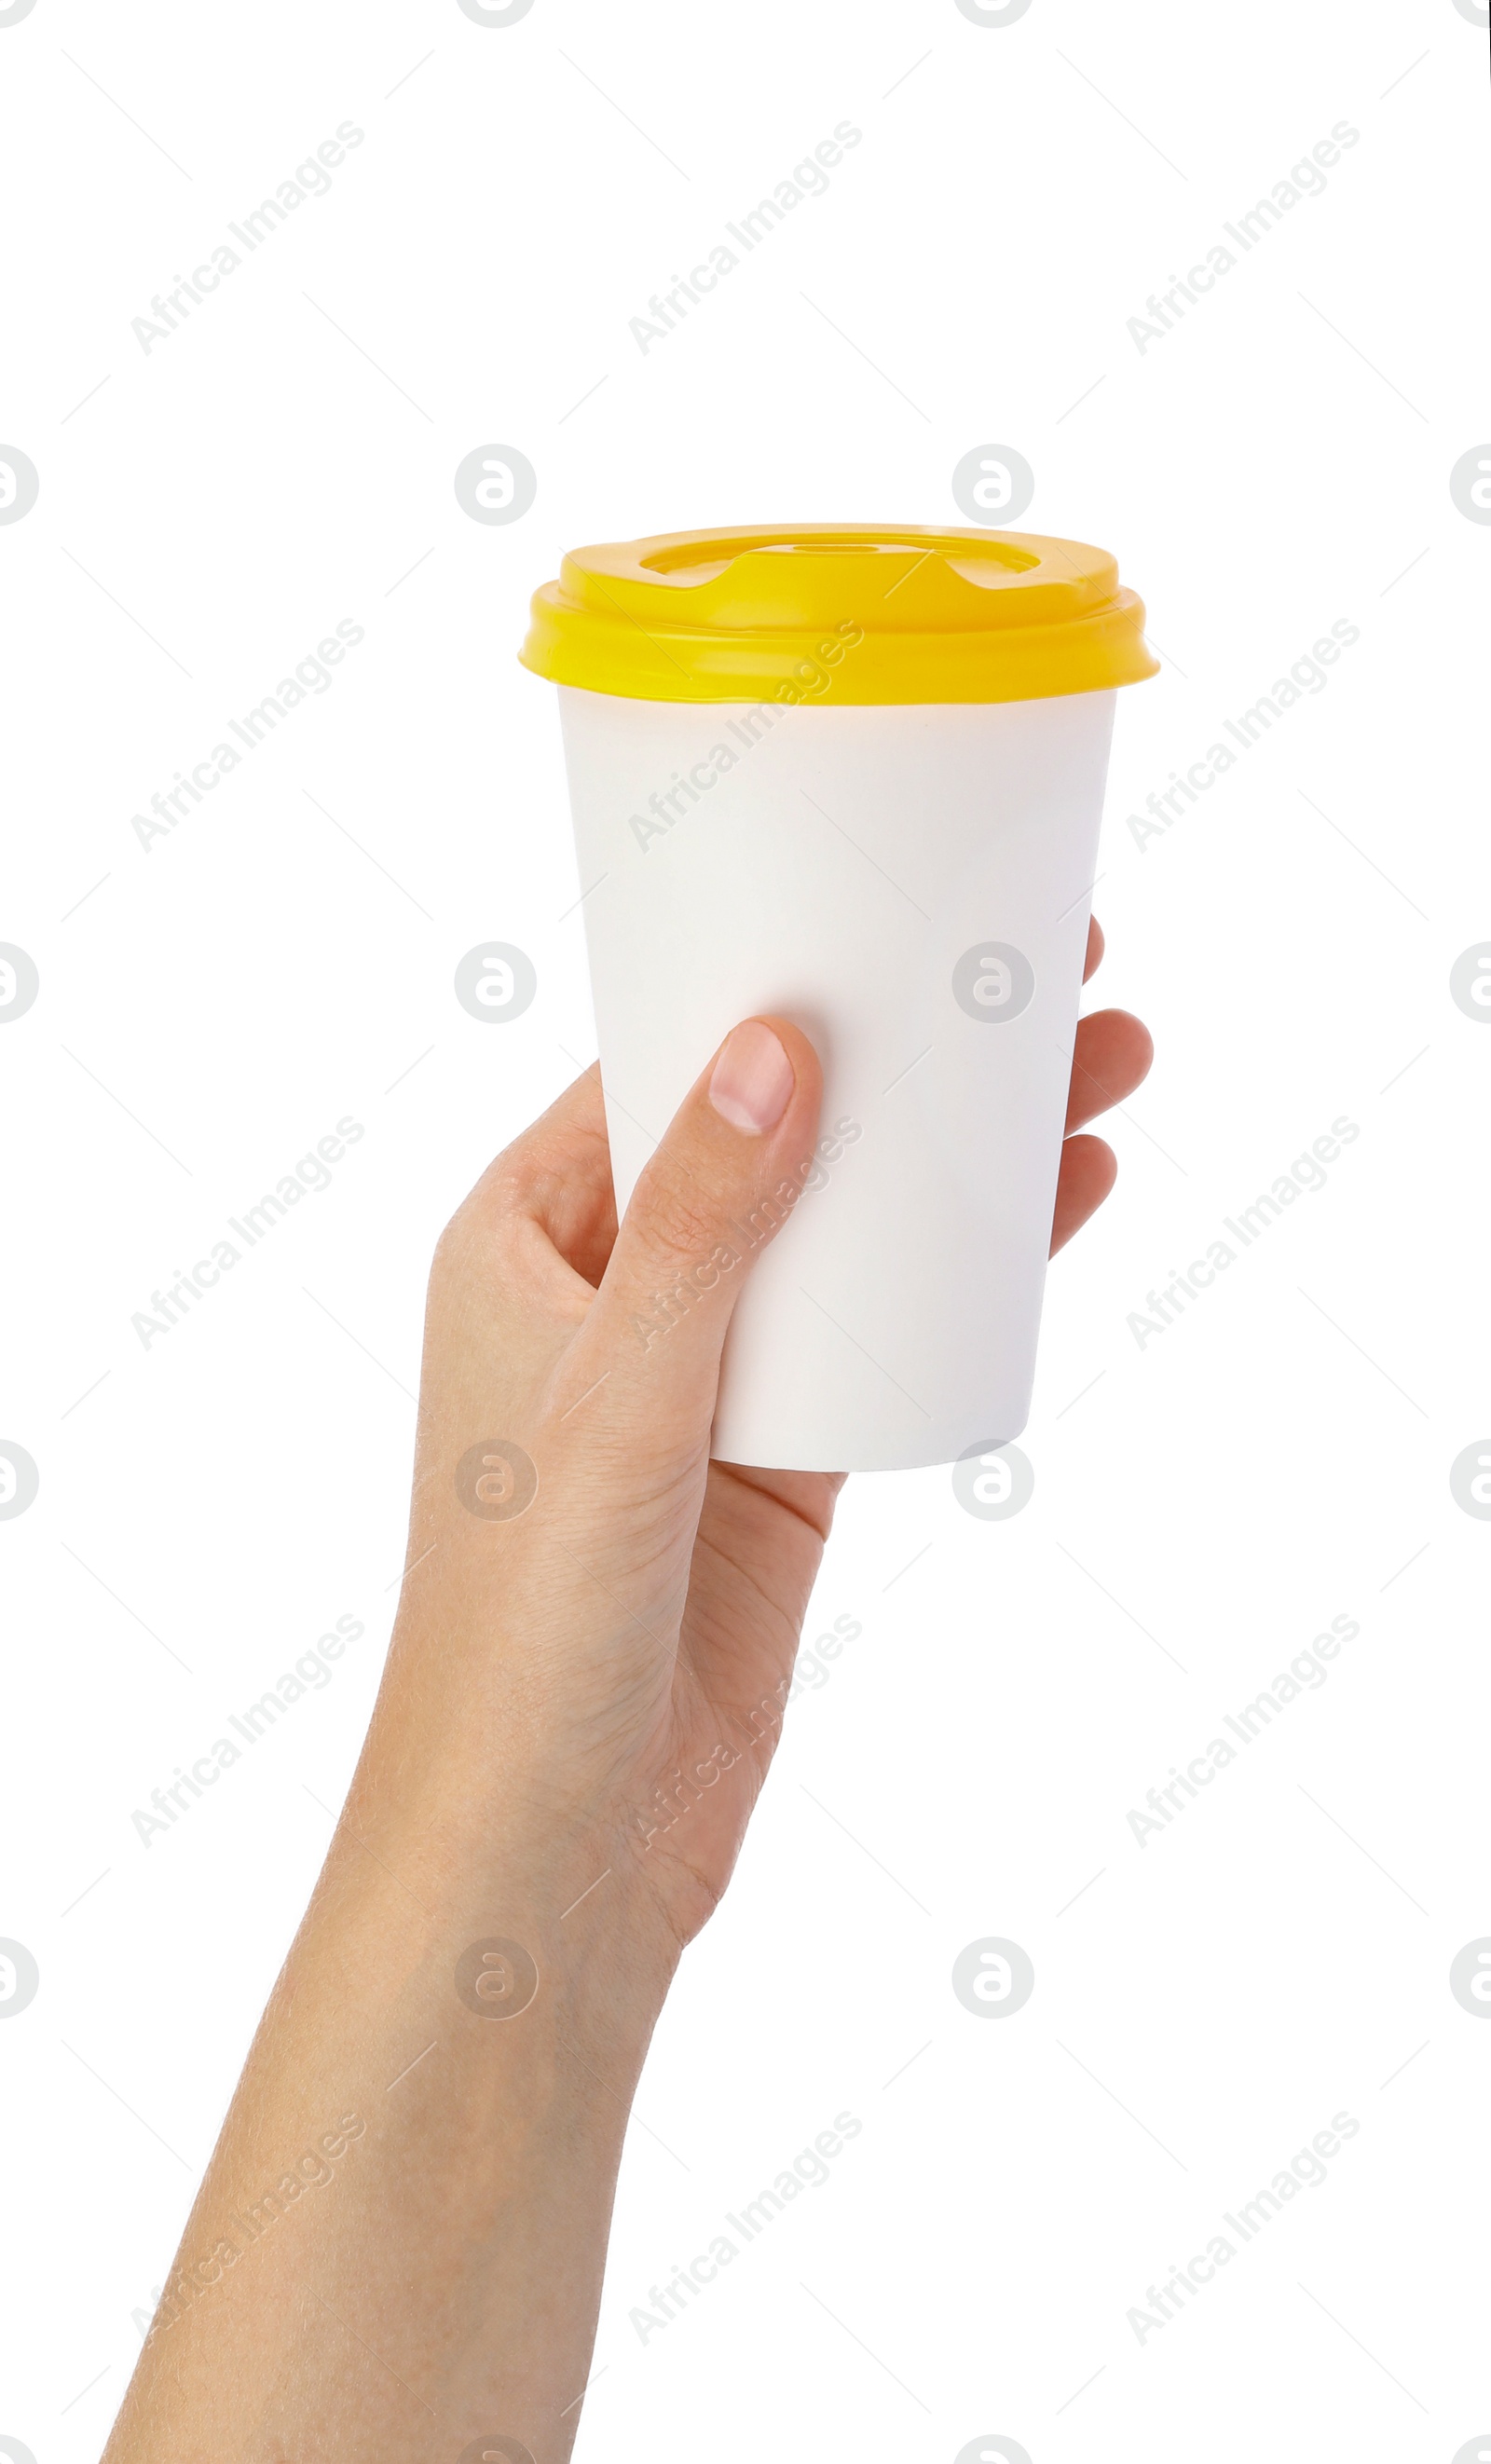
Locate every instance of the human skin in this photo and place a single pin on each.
(562, 1757)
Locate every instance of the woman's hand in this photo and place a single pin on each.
(630, 1634)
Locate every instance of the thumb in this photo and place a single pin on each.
(724, 1180)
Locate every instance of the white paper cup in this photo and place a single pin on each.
(909, 883)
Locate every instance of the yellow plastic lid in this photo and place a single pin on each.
(831, 613)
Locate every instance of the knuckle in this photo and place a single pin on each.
(479, 1240)
(678, 1222)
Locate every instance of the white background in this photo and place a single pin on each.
(1280, 1456)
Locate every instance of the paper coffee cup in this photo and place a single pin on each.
(854, 777)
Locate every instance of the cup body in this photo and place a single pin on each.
(911, 884)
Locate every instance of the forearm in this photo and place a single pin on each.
(438, 2277)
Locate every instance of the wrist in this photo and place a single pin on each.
(461, 1858)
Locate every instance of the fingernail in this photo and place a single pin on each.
(753, 1079)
